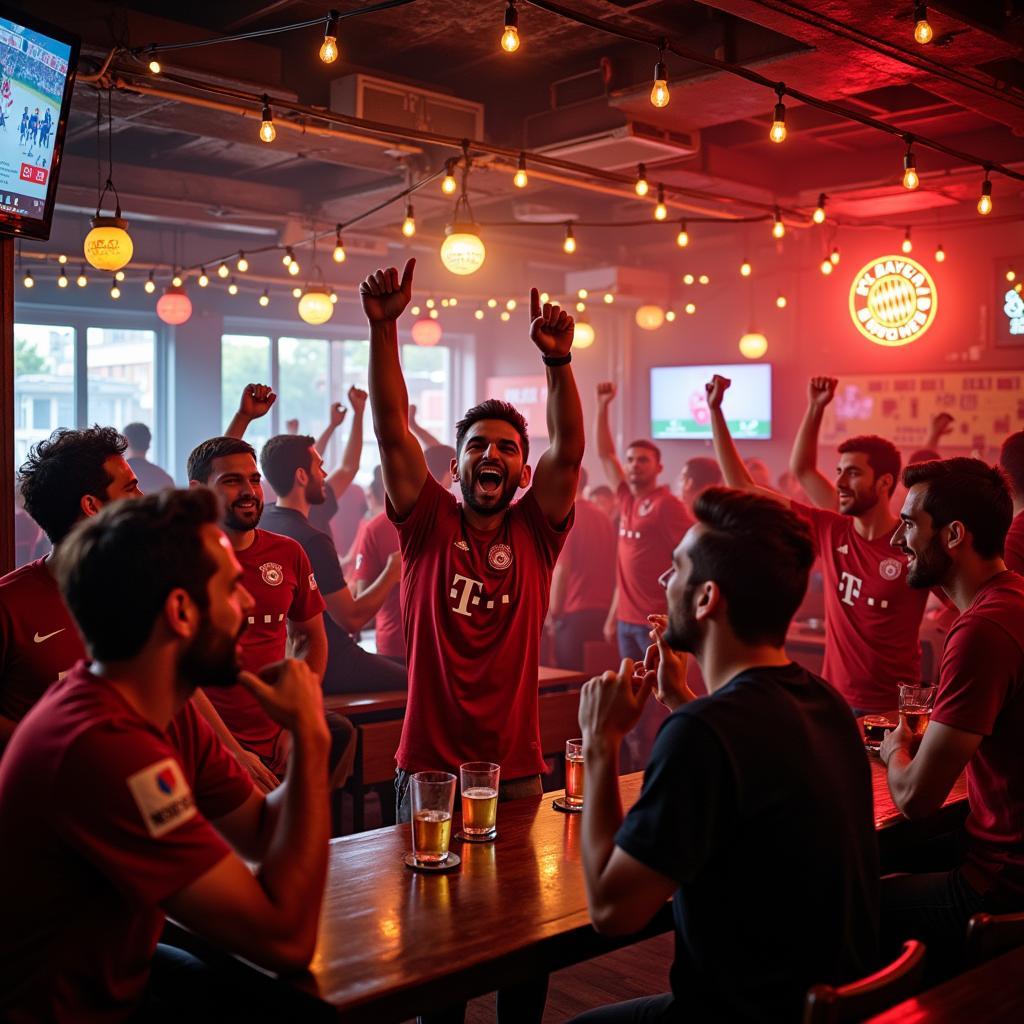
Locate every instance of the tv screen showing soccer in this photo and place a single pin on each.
(679, 407)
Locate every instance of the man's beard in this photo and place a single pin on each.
(683, 633)
(211, 660)
(315, 492)
(860, 506)
(232, 521)
(930, 567)
(486, 510)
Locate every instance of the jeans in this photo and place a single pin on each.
(572, 631)
(633, 639)
(647, 1010)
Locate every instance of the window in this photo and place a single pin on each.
(244, 359)
(121, 378)
(44, 383)
(305, 395)
(428, 378)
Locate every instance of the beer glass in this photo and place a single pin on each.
(916, 703)
(574, 773)
(432, 795)
(478, 781)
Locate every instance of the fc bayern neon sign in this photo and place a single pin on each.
(893, 301)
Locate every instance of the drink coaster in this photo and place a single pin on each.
(475, 839)
(453, 861)
(559, 804)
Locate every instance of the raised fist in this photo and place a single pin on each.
(716, 389)
(551, 327)
(821, 391)
(357, 399)
(256, 400)
(384, 296)
(606, 392)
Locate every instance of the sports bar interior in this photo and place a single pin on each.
(814, 209)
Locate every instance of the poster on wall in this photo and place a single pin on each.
(529, 394)
(985, 406)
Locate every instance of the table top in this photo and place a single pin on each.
(992, 992)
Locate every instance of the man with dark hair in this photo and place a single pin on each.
(756, 810)
(151, 477)
(1011, 459)
(583, 582)
(118, 804)
(604, 498)
(871, 619)
(295, 469)
(952, 528)
(698, 474)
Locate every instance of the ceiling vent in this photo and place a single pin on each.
(623, 145)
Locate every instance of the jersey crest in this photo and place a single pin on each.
(890, 568)
(499, 556)
(272, 573)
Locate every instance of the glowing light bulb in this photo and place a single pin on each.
(521, 180)
(659, 91)
(222, 270)
(492, 303)
(826, 266)
(81, 280)
(339, 250)
(819, 211)
(641, 187)
(433, 314)
(922, 30)
(906, 246)
(445, 303)
(329, 47)
(176, 281)
(119, 276)
(448, 182)
(510, 36)
(62, 280)
(1011, 275)
(154, 67)
(661, 210)
(115, 292)
(293, 268)
(683, 237)
(29, 281)
(690, 308)
(264, 299)
(505, 316)
(580, 307)
(510, 305)
(910, 176)
(688, 278)
(582, 293)
(704, 279)
(243, 264)
(778, 228)
(780, 301)
(430, 303)
(203, 279)
(296, 292)
(777, 133)
(288, 255)
(267, 130)
(150, 285)
(940, 254)
(232, 287)
(479, 314)
(409, 224)
(334, 298)
(608, 298)
(569, 245)
(670, 316)
(746, 269)
(833, 256)
(985, 201)
(62, 259)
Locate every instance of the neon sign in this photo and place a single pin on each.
(893, 301)
(1013, 307)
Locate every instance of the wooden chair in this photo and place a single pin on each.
(877, 992)
(988, 935)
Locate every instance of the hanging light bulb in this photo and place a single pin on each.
(910, 176)
(690, 308)
(430, 303)
(906, 246)
(521, 180)
(833, 256)
(479, 314)
(922, 30)
(119, 276)
(176, 281)
(746, 269)
(243, 264)
(62, 279)
(683, 237)
(62, 259)
(150, 285)
(264, 299)
(510, 36)
(569, 245)
(267, 130)
(819, 211)
(985, 201)
(203, 279)
(315, 306)
(506, 316)
(659, 91)
(329, 47)
(293, 268)
(661, 210)
(334, 297)
(339, 246)
(510, 305)
(581, 293)
(492, 303)
(448, 182)
(940, 254)
(583, 334)
(29, 281)
(296, 292)
(108, 246)
(580, 307)
(288, 256)
(688, 278)
(778, 129)
(115, 292)
(608, 298)
(232, 287)
(433, 314)
(222, 270)
(778, 228)
(826, 266)
(641, 187)
(174, 307)
(463, 251)
(753, 345)
(81, 280)
(780, 301)
(154, 66)
(670, 316)
(1011, 275)
(409, 224)
(704, 279)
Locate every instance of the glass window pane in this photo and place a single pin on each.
(350, 364)
(44, 383)
(303, 375)
(428, 379)
(121, 378)
(244, 359)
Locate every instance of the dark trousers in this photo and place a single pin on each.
(572, 631)
(350, 669)
(647, 1010)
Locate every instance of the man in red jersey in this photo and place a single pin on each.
(1011, 459)
(872, 618)
(583, 582)
(953, 527)
(118, 803)
(652, 521)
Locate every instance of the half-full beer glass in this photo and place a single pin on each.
(916, 703)
(432, 795)
(574, 773)
(479, 783)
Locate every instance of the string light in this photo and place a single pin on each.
(661, 210)
(293, 268)
(445, 303)
(510, 36)
(479, 314)
(150, 285)
(62, 259)
(29, 281)
(288, 256)
(940, 254)
(339, 246)
(430, 303)
(448, 182)
(81, 280)
(659, 91)
(119, 276)
(781, 301)
(910, 176)
(492, 303)
(510, 305)
(580, 307)
(243, 264)
(922, 30)
(334, 298)
(569, 245)
(267, 130)
(154, 66)
(203, 279)
(819, 211)
(264, 299)
(433, 314)
(176, 281)
(690, 308)
(683, 238)
(222, 270)
(704, 279)
(1011, 275)
(826, 266)
(778, 129)
(115, 292)
(521, 180)
(641, 187)
(581, 294)
(778, 228)
(833, 256)
(985, 200)
(670, 316)
(906, 246)
(232, 287)
(506, 316)
(415, 310)
(329, 47)
(608, 298)
(688, 278)
(746, 269)
(409, 224)
(62, 279)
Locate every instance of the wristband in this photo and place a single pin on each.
(558, 360)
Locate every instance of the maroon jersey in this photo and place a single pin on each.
(474, 607)
(39, 641)
(872, 617)
(981, 690)
(589, 560)
(1014, 552)
(650, 528)
(378, 538)
(104, 817)
(276, 571)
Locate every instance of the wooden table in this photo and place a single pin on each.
(992, 992)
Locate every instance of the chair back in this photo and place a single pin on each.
(826, 1004)
(988, 935)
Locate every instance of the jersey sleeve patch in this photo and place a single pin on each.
(163, 796)
(312, 582)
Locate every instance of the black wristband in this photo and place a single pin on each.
(558, 360)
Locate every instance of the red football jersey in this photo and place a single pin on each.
(872, 617)
(378, 538)
(589, 560)
(474, 608)
(104, 817)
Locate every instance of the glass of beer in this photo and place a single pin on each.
(432, 795)
(478, 781)
(916, 703)
(574, 773)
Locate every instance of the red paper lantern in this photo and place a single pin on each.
(174, 307)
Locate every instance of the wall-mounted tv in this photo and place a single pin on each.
(679, 408)
(37, 74)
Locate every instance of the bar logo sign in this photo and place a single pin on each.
(893, 301)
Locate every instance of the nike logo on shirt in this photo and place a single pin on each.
(39, 639)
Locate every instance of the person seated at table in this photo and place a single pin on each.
(295, 470)
(1011, 459)
(953, 528)
(756, 813)
(119, 805)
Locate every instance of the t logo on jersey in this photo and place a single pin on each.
(849, 587)
(463, 592)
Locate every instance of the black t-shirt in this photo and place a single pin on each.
(323, 557)
(757, 800)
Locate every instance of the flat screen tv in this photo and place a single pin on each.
(679, 408)
(37, 74)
